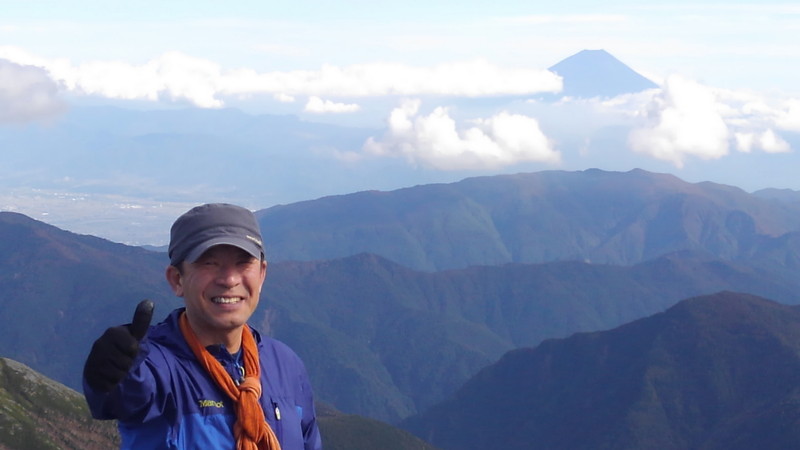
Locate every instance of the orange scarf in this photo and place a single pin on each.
(251, 430)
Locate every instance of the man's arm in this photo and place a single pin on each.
(311, 437)
(111, 359)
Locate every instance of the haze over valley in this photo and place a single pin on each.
(125, 173)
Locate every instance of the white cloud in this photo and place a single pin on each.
(320, 106)
(682, 120)
(767, 141)
(27, 93)
(173, 76)
(284, 98)
(687, 119)
(789, 117)
(745, 141)
(435, 140)
(468, 79)
(176, 76)
(772, 143)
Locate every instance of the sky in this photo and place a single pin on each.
(728, 101)
(741, 45)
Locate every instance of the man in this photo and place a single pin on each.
(203, 379)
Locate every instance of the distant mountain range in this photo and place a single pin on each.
(592, 215)
(714, 372)
(387, 341)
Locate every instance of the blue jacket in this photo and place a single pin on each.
(168, 401)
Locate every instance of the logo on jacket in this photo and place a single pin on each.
(211, 404)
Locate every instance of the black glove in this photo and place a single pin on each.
(113, 353)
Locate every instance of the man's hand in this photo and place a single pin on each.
(113, 353)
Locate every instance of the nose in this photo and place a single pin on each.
(228, 275)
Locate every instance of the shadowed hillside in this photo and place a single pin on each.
(39, 414)
(62, 289)
(714, 372)
(351, 432)
(385, 341)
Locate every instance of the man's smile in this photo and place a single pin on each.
(226, 300)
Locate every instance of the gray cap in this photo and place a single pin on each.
(205, 226)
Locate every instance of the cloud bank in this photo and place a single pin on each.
(178, 77)
(682, 121)
(320, 106)
(463, 79)
(435, 141)
(789, 117)
(687, 119)
(26, 94)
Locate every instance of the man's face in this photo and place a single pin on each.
(221, 290)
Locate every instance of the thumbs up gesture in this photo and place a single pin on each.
(113, 353)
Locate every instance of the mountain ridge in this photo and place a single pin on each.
(468, 318)
(718, 371)
(595, 215)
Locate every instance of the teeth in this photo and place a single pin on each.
(225, 299)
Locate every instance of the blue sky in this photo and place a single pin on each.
(741, 45)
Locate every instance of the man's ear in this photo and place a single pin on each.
(175, 280)
(263, 270)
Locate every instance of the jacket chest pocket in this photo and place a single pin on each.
(285, 419)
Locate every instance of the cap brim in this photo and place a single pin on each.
(244, 244)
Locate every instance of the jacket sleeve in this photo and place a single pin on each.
(286, 384)
(311, 436)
